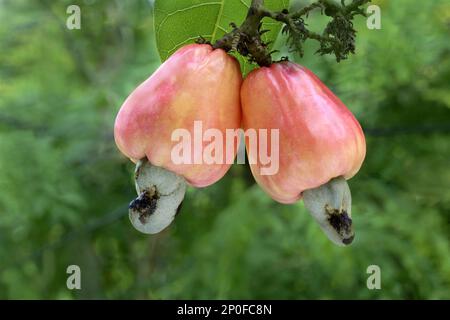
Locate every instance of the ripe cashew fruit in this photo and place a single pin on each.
(197, 83)
(321, 144)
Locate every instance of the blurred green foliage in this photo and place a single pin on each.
(64, 187)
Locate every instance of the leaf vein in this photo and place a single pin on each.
(245, 4)
(158, 27)
(216, 26)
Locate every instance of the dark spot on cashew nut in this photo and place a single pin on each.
(145, 205)
(341, 222)
(347, 241)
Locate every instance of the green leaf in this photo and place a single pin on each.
(180, 22)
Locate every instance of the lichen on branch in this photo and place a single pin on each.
(337, 38)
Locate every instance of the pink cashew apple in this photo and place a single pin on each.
(320, 142)
(197, 83)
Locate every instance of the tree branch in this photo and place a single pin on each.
(337, 38)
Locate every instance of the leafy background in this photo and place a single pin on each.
(64, 186)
